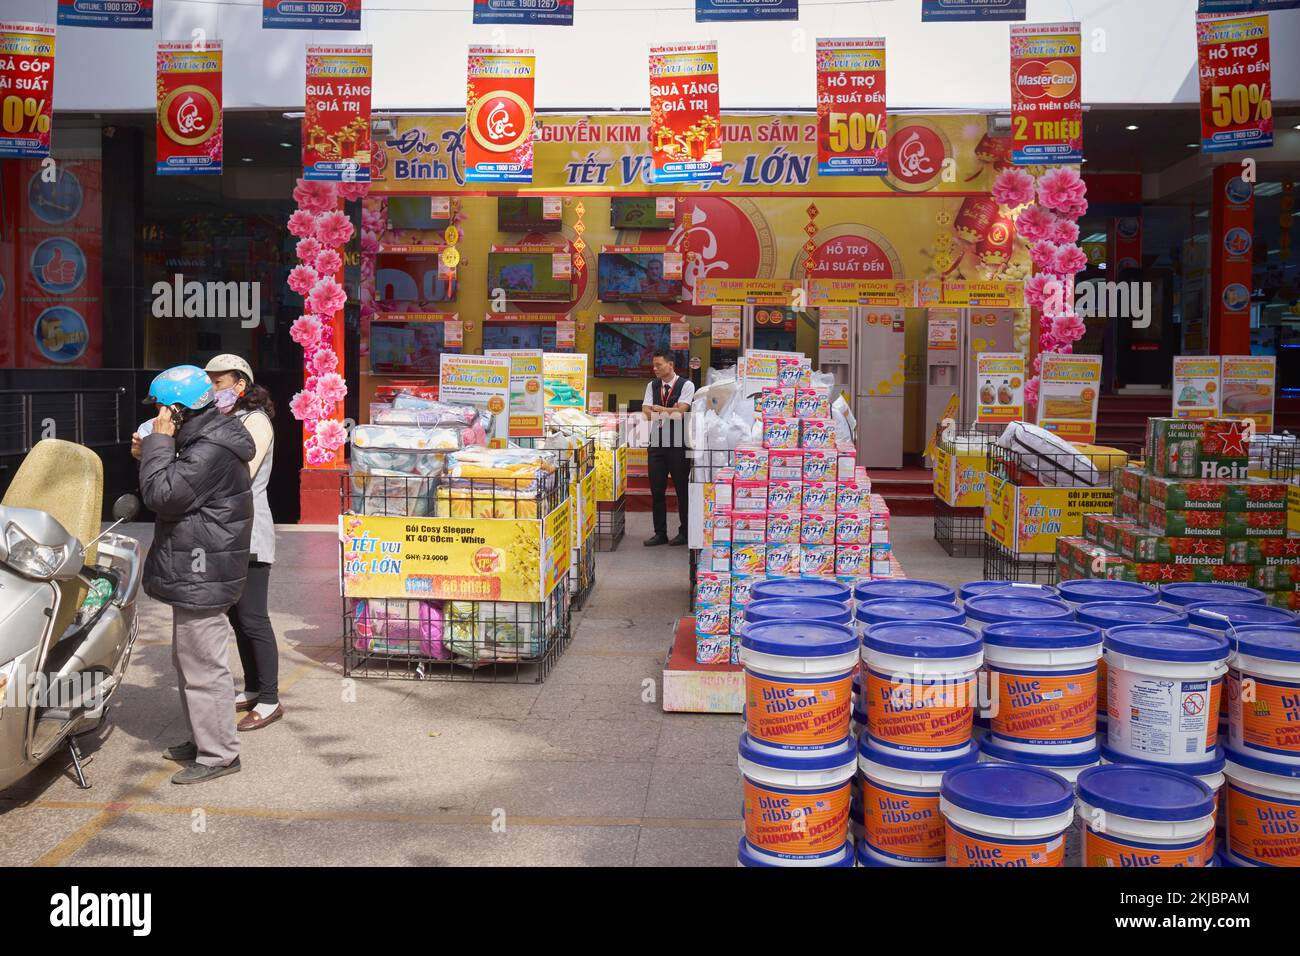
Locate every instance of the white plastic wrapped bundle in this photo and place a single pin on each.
(484, 631)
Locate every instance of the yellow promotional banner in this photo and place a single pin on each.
(943, 424)
(555, 557)
(1067, 395)
(588, 505)
(942, 475)
(718, 291)
(479, 380)
(526, 399)
(882, 293)
(1293, 508)
(959, 480)
(760, 155)
(564, 377)
(611, 472)
(1029, 520)
(999, 387)
(445, 559)
(993, 294)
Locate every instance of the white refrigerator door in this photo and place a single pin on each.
(879, 403)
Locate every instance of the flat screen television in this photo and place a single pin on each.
(635, 277)
(413, 277)
(524, 214)
(526, 277)
(519, 335)
(627, 350)
(637, 212)
(406, 348)
(413, 212)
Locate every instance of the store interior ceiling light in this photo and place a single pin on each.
(1130, 127)
(1095, 237)
(1267, 189)
(287, 145)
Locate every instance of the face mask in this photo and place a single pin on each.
(226, 399)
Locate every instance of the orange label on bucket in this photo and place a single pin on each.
(798, 713)
(921, 713)
(796, 822)
(1212, 722)
(1102, 850)
(1046, 708)
(1101, 686)
(1264, 830)
(967, 849)
(903, 823)
(1270, 713)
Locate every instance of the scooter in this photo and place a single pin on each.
(67, 608)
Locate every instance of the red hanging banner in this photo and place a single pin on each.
(336, 121)
(851, 133)
(685, 119)
(1236, 89)
(499, 115)
(189, 110)
(26, 90)
(1046, 94)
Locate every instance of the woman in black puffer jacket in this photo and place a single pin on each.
(195, 479)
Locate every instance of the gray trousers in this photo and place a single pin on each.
(200, 653)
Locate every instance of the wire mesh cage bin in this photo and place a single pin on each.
(1278, 456)
(583, 574)
(959, 531)
(1022, 464)
(707, 462)
(487, 641)
(1001, 564)
(386, 492)
(611, 523)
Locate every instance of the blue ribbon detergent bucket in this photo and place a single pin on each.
(1185, 593)
(1068, 766)
(886, 610)
(1043, 676)
(790, 609)
(987, 609)
(1006, 588)
(1209, 772)
(1263, 811)
(1095, 590)
(1265, 660)
(899, 806)
(903, 589)
(1136, 816)
(1164, 687)
(1221, 618)
(803, 589)
(1005, 815)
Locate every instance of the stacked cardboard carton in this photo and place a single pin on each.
(1190, 513)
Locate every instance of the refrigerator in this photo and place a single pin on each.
(878, 392)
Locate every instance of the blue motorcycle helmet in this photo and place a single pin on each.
(183, 388)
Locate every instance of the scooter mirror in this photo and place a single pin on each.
(126, 507)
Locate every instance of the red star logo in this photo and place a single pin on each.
(1234, 440)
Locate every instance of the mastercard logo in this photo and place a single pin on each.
(1055, 79)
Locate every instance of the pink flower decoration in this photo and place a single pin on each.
(373, 221)
(1034, 223)
(302, 278)
(1037, 364)
(328, 262)
(1013, 187)
(324, 360)
(1035, 289)
(317, 455)
(306, 331)
(326, 296)
(308, 249)
(333, 228)
(327, 334)
(1062, 189)
(1068, 327)
(1075, 210)
(1047, 342)
(331, 434)
(302, 224)
(311, 383)
(331, 388)
(369, 244)
(1063, 232)
(1068, 260)
(1042, 253)
(306, 406)
(354, 191)
(1031, 392)
(315, 196)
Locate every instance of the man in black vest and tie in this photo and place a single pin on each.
(667, 402)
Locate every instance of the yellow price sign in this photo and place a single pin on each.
(1239, 104)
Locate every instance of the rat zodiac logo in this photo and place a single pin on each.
(499, 125)
(188, 119)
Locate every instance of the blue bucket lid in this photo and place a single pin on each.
(859, 713)
(1273, 643)
(1007, 790)
(802, 589)
(1109, 614)
(1263, 764)
(798, 638)
(789, 609)
(1089, 590)
(747, 857)
(839, 754)
(904, 589)
(1185, 593)
(976, 588)
(898, 609)
(995, 609)
(930, 641)
(1042, 635)
(918, 763)
(866, 859)
(1146, 793)
(1165, 643)
(1200, 768)
(1238, 615)
(1049, 761)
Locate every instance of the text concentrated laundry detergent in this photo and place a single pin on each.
(1164, 690)
(1005, 815)
(796, 806)
(1263, 809)
(902, 824)
(1136, 816)
(920, 686)
(1263, 688)
(798, 683)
